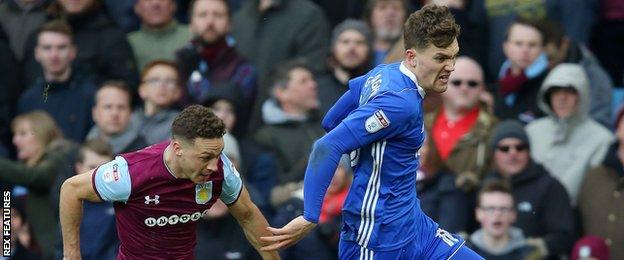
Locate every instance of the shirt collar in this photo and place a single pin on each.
(411, 75)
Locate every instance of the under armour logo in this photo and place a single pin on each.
(149, 200)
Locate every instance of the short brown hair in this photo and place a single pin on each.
(197, 121)
(115, 84)
(191, 8)
(432, 24)
(536, 24)
(56, 26)
(494, 186)
(98, 146)
(155, 63)
(281, 75)
(371, 4)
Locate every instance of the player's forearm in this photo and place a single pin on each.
(255, 225)
(320, 171)
(70, 210)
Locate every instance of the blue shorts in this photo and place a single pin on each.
(440, 245)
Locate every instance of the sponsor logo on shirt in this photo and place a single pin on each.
(172, 220)
(371, 86)
(376, 122)
(112, 175)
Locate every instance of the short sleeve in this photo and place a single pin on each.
(384, 116)
(232, 183)
(111, 180)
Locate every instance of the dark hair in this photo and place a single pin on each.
(281, 75)
(192, 7)
(115, 84)
(494, 186)
(98, 146)
(553, 32)
(155, 63)
(526, 22)
(56, 26)
(432, 24)
(197, 121)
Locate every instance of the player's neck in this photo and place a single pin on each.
(170, 163)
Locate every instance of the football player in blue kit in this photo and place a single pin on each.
(379, 121)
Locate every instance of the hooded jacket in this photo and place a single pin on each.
(516, 248)
(568, 147)
(290, 138)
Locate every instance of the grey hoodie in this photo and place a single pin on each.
(273, 114)
(568, 147)
(516, 242)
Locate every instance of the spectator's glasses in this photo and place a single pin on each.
(507, 148)
(492, 209)
(469, 83)
(161, 82)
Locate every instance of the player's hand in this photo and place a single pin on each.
(288, 235)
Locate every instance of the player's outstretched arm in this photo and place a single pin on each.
(73, 192)
(253, 223)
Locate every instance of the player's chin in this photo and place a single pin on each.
(440, 86)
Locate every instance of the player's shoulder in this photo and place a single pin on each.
(150, 153)
(228, 166)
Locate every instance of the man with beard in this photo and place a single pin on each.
(350, 57)
(210, 60)
(386, 18)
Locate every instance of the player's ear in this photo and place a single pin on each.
(410, 57)
(177, 147)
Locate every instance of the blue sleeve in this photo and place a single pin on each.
(112, 180)
(383, 117)
(380, 118)
(339, 111)
(232, 183)
(321, 168)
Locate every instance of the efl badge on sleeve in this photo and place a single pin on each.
(376, 122)
(203, 192)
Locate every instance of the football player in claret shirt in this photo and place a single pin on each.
(379, 120)
(161, 191)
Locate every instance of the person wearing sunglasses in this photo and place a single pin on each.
(460, 129)
(542, 204)
(568, 142)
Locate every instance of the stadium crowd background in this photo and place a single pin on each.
(532, 111)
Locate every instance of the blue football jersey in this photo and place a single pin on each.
(382, 209)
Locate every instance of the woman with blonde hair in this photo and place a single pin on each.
(41, 151)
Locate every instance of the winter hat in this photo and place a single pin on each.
(352, 24)
(590, 246)
(509, 128)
